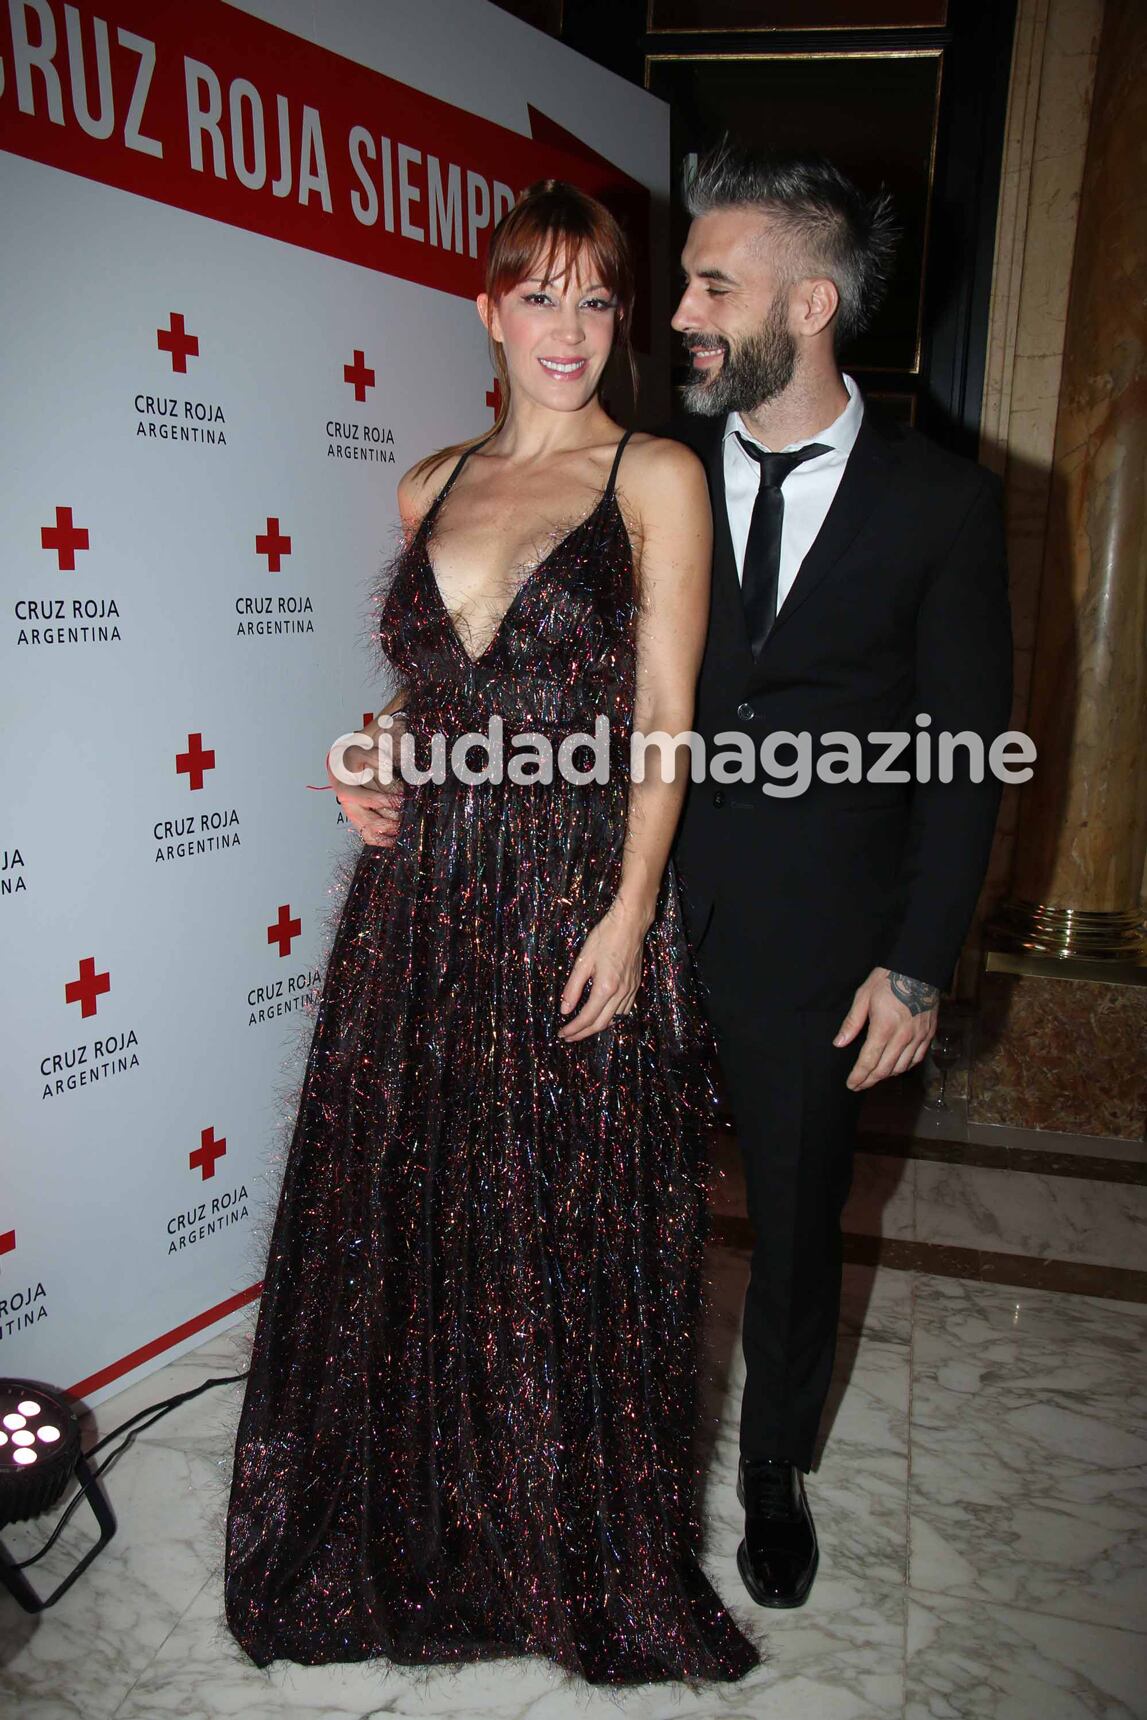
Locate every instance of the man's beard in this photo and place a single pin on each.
(755, 370)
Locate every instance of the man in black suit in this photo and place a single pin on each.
(859, 590)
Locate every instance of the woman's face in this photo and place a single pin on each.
(556, 335)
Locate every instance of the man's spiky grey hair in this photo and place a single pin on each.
(825, 225)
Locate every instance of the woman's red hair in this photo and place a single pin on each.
(542, 237)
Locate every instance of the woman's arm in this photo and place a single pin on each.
(667, 490)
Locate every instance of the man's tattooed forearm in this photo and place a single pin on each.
(918, 996)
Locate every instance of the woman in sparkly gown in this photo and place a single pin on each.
(468, 1427)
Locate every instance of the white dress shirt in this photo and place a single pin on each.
(808, 489)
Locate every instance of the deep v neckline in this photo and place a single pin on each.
(608, 494)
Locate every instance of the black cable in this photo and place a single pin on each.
(162, 1408)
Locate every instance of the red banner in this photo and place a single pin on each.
(198, 104)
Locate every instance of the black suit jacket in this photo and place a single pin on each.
(899, 607)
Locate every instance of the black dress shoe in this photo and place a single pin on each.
(778, 1557)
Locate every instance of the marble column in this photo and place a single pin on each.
(1061, 1035)
(1082, 834)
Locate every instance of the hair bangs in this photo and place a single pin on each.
(552, 237)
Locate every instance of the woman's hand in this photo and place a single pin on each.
(611, 958)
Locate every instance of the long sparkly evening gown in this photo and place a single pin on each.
(468, 1425)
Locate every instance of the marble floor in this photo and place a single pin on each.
(981, 1497)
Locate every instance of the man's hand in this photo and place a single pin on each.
(901, 1013)
(375, 812)
(373, 808)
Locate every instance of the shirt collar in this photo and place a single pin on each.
(840, 434)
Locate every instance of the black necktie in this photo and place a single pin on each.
(761, 571)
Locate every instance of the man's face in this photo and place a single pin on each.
(734, 314)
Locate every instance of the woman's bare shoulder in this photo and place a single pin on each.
(417, 489)
(658, 472)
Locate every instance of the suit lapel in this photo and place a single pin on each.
(727, 604)
(866, 477)
(864, 480)
(728, 655)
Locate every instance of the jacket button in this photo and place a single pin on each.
(745, 712)
(719, 797)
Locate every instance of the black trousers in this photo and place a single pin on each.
(796, 1128)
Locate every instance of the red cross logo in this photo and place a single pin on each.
(284, 931)
(272, 544)
(360, 374)
(177, 342)
(7, 1242)
(209, 1149)
(88, 987)
(494, 397)
(65, 539)
(195, 761)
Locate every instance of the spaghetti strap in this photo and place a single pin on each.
(617, 462)
(449, 484)
(466, 453)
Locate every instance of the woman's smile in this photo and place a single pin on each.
(571, 368)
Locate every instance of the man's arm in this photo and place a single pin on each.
(374, 808)
(964, 683)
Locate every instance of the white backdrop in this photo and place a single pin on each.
(153, 1012)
